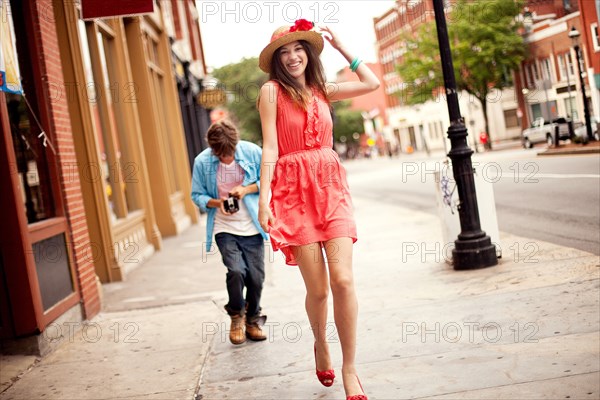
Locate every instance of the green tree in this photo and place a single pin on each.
(486, 48)
(346, 122)
(242, 82)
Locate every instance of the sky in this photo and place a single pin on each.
(232, 30)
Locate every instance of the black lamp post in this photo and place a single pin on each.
(574, 35)
(473, 248)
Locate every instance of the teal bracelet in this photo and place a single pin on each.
(355, 64)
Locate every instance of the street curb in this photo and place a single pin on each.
(569, 152)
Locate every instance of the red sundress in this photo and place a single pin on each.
(310, 196)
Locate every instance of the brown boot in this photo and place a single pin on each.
(253, 329)
(236, 332)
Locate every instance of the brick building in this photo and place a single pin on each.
(424, 126)
(548, 83)
(92, 157)
(46, 271)
(407, 15)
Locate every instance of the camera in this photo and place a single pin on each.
(231, 204)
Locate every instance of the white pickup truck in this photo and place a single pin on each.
(545, 131)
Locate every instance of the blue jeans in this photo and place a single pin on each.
(244, 258)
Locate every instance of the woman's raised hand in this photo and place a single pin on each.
(331, 37)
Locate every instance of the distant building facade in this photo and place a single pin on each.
(548, 84)
(545, 85)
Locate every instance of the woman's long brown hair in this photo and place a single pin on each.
(314, 74)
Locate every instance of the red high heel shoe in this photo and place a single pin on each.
(325, 377)
(358, 396)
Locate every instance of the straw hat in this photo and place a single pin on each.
(301, 30)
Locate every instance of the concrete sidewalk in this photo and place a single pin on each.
(527, 328)
(146, 343)
(571, 149)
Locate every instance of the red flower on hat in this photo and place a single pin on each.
(302, 25)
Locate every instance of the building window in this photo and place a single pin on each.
(582, 61)
(510, 119)
(546, 69)
(30, 155)
(595, 36)
(529, 75)
(562, 67)
(570, 62)
(536, 111)
(105, 94)
(33, 159)
(536, 74)
(546, 110)
(157, 78)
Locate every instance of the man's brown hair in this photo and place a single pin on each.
(223, 137)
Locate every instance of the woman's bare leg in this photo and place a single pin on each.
(345, 306)
(312, 266)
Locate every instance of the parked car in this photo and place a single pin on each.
(545, 131)
(581, 131)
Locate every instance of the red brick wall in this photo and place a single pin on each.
(192, 32)
(554, 45)
(60, 133)
(588, 17)
(176, 20)
(544, 7)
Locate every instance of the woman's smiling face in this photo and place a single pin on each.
(294, 59)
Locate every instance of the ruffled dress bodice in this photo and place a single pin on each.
(299, 129)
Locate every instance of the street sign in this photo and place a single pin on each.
(211, 98)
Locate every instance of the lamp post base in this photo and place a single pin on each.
(474, 254)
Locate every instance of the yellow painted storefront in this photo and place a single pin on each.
(128, 134)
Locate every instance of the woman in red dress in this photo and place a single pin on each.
(310, 208)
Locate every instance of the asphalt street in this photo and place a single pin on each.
(554, 199)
